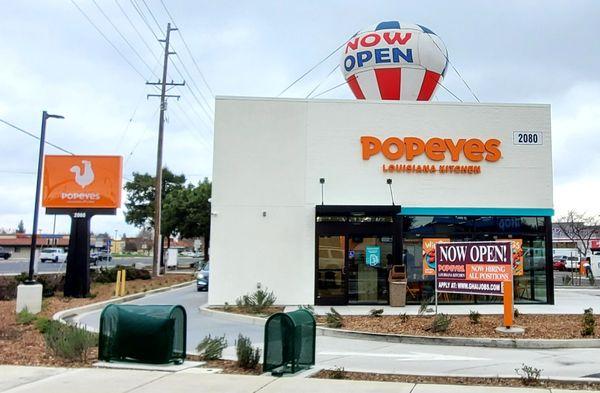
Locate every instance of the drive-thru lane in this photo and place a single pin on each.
(364, 355)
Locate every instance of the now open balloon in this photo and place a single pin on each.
(394, 61)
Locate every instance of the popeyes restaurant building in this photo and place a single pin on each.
(317, 199)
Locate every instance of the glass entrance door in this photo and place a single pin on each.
(368, 261)
(331, 269)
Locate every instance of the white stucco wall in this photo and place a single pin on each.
(270, 153)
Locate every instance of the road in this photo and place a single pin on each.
(18, 265)
(373, 356)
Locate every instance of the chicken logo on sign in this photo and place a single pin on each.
(87, 177)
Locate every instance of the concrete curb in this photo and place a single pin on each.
(521, 343)
(65, 316)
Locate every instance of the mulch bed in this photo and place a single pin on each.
(24, 345)
(245, 311)
(423, 379)
(536, 326)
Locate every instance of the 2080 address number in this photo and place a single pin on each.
(527, 138)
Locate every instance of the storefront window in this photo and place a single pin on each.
(420, 231)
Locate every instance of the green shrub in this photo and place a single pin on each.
(424, 307)
(403, 318)
(256, 302)
(516, 313)
(68, 341)
(334, 319)
(474, 316)
(211, 348)
(441, 323)
(589, 322)
(8, 285)
(248, 356)
(51, 283)
(24, 317)
(108, 275)
(529, 375)
(42, 324)
(376, 312)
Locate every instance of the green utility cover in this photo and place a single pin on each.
(289, 342)
(146, 334)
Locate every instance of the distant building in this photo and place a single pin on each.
(20, 243)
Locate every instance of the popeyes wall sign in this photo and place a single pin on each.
(442, 155)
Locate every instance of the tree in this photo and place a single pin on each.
(140, 197)
(187, 212)
(580, 229)
(140, 200)
(21, 227)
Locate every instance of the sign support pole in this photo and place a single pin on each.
(435, 293)
(508, 304)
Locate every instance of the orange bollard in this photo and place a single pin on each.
(508, 304)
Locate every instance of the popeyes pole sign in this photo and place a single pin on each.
(82, 182)
(465, 154)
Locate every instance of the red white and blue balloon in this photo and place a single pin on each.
(394, 61)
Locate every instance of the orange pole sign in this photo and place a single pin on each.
(508, 303)
(82, 182)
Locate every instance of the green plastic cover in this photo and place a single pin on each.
(289, 341)
(146, 334)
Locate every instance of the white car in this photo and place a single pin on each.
(53, 255)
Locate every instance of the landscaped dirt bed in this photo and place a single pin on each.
(504, 382)
(23, 344)
(265, 313)
(536, 326)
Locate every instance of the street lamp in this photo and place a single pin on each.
(36, 210)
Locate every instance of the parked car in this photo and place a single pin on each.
(202, 278)
(572, 262)
(4, 253)
(559, 263)
(100, 256)
(53, 255)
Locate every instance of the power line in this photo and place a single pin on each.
(153, 17)
(312, 68)
(188, 49)
(124, 38)
(35, 136)
(108, 40)
(141, 37)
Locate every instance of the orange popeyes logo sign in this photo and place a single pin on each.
(82, 181)
(435, 149)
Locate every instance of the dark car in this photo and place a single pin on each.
(4, 253)
(202, 278)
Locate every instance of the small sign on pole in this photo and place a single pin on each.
(477, 268)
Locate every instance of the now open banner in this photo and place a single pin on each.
(476, 268)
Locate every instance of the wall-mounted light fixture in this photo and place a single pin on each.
(322, 181)
(389, 183)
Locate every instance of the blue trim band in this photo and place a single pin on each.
(476, 211)
(388, 25)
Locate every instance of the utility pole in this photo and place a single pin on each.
(157, 255)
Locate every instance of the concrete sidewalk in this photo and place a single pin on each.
(567, 301)
(89, 380)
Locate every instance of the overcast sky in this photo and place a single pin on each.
(53, 59)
